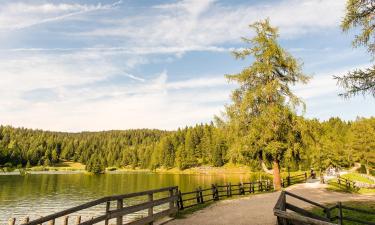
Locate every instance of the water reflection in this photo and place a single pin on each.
(36, 195)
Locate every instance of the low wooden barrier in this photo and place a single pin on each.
(290, 180)
(217, 192)
(297, 215)
(119, 211)
(345, 183)
(175, 199)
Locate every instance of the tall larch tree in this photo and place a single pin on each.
(262, 112)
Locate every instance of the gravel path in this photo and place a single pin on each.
(257, 209)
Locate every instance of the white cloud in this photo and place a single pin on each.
(192, 24)
(64, 92)
(18, 15)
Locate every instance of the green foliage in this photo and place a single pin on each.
(261, 118)
(95, 165)
(360, 16)
(362, 169)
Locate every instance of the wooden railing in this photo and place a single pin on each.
(119, 211)
(290, 180)
(175, 199)
(217, 192)
(345, 183)
(297, 215)
(341, 217)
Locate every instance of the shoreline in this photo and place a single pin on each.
(202, 170)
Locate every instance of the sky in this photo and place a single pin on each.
(103, 65)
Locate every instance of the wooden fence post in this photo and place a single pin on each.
(120, 204)
(230, 189)
(213, 191)
(107, 208)
(239, 189)
(151, 209)
(260, 186)
(288, 181)
(78, 220)
(340, 213)
(305, 177)
(66, 220)
(197, 195)
(328, 213)
(217, 192)
(253, 186)
(227, 187)
(171, 203)
(12, 221)
(201, 195)
(181, 203)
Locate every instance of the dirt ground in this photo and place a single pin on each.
(257, 209)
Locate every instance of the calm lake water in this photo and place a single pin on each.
(36, 195)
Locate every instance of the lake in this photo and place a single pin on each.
(36, 195)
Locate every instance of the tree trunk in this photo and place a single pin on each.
(264, 167)
(276, 175)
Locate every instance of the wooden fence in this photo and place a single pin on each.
(345, 183)
(175, 199)
(290, 180)
(217, 192)
(119, 211)
(297, 215)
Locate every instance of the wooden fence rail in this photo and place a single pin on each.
(120, 210)
(217, 192)
(302, 216)
(345, 183)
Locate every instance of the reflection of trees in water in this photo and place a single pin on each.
(43, 194)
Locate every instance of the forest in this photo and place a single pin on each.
(332, 142)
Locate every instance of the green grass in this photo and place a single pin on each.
(368, 206)
(357, 177)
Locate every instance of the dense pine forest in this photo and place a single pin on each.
(333, 142)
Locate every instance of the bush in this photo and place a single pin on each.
(362, 169)
(95, 165)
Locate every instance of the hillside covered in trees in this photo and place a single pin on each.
(333, 142)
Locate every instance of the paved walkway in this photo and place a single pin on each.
(257, 209)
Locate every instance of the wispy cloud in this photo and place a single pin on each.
(18, 15)
(206, 24)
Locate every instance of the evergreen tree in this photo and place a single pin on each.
(262, 110)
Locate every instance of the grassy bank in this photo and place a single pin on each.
(368, 206)
(334, 186)
(229, 168)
